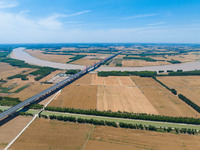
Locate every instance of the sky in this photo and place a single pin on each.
(99, 21)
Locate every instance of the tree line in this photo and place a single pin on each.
(172, 90)
(141, 58)
(76, 58)
(127, 73)
(189, 102)
(22, 76)
(182, 97)
(185, 73)
(140, 116)
(72, 71)
(172, 61)
(42, 72)
(119, 125)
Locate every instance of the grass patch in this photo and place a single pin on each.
(21, 88)
(174, 61)
(76, 58)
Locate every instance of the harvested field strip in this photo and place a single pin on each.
(21, 88)
(182, 97)
(10, 130)
(125, 139)
(85, 61)
(17, 86)
(86, 79)
(112, 80)
(5, 67)
(118, 98)
(132, 121)
(49, 57)
(52, 134)
(30, 91)
(77, 96)
(163, 100)
(12, 72)
(46, 78)
(189, 86)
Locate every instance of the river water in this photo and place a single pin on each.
(20, 54)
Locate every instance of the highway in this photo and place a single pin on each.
(54, 88)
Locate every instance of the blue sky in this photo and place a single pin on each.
(83, 21)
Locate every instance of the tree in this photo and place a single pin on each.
(174, 91)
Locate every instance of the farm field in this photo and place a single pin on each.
(19, 85)
(5, 67)
(115, 61)
(85, 61)
(30, 91)
(48, 77)
(112, 81)
(11, 129)
(140, 63)
(6, 70)
(80, 94)
(49, 57)
(185, 58)
(120, 94)
(52, 134)
(126, 139)
(85, 80)
(121, 98)
(104, 93)
(77, 96)
(163, 100)
(189, 86)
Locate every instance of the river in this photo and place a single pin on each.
(20, 54)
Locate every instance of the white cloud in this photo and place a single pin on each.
(79, 13)
(157, 23)
(51, 22)
(140, 16)
(8, 4)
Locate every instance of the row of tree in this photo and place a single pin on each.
(172, 90)
(189, 102)
(76, 58)
(127, 73)
(172, 61)
(72, 71)
(128, 115)
(182, 97)
(25, 114)
(121, 124)
(22, 76)
(81, 120)
(185, 73)
(141, 58)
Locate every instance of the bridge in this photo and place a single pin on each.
(54, 88)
